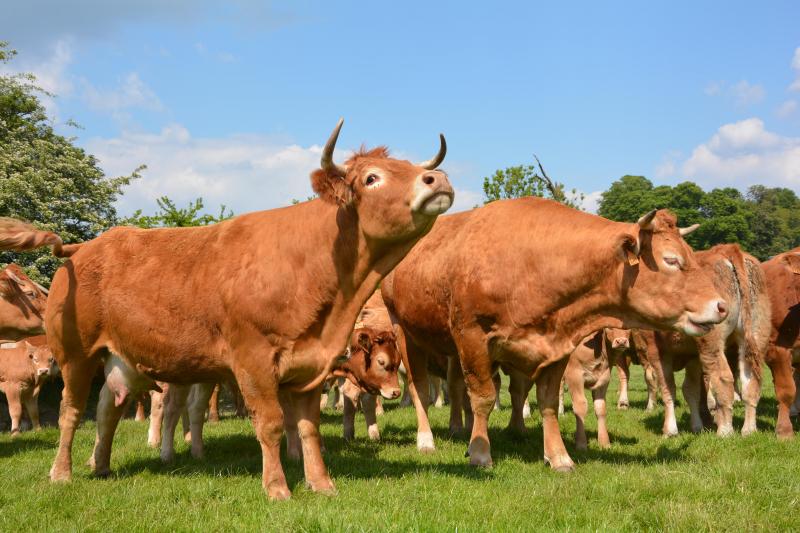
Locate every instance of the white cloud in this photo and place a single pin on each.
(130, 92)
(669, 164)
(787, 109)
(465, 200)
(742, 93)
(745, 153)
(51, 73)
(244, 172)
(795, 86)
(591, 201)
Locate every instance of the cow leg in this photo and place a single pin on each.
(307, 411)
(369, 404)
(662, 369)
(109, 414)
(456, 389)
(174, 407)
(693, 393)
(519, 387)
(416, 363)
(436, 387)
(779, 360)
(599, 397)
(14, 397)
(579, 408)
(351, 395)
(498, 383)
(294, 448)
(750, 379)
(139, 416)
(547, 385)
(156, 418)
(197, 405)
(405, 401)
(482, 395)
(795, 409)
(213, 404)
(715, 366)
(624, 374)
(561, 398)
(379, 406)
(77, 375)
(651, 381)
(31, 399)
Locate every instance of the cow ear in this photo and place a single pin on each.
(332, 188)
(629, 249)
(793, 262)
(7, 286)
(364, 341)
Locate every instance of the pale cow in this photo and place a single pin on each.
(24, 366)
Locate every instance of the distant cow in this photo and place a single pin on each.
(268, 297)
(783, 282)
(24, 367)
(22, 302)
(742, 337)
(626, 351)
(521, 282)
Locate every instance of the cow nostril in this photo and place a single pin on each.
(722, 307)
(428, 179)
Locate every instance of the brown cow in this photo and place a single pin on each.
(627, 352)
(742, 337)
(269, 298)
(24, 367)
(783, 283)
(175, 402)
(22, 302)
(522, 282)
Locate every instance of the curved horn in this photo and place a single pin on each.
(326, 161)
(686, 231)
(646, 222)
(432, 164)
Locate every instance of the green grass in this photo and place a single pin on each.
(643, 482)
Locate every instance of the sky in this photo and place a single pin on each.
(233, 103)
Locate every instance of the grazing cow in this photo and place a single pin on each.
(22, 302)
(269, 298)
(741, 338)
(521, 282)
(589, 367)
(782, 273)
(24, 367)
(627, 351)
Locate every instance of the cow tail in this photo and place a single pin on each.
(748, 281)
(20, 236)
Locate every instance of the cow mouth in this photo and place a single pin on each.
(433, 203)
(390, 394)
(696, 329)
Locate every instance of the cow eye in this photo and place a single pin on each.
(672, 261)
(371, 179)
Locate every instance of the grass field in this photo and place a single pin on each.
(644, 481)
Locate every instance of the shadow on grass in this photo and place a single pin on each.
(25, 442)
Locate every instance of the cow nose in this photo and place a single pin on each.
(429, 178)
(722, 308)
(43, 371)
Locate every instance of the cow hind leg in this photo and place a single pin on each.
(294, 448)
(156, 419)
(31, 399)
(213, 404)
(519, 387)
(547, 385)
(779, 360)
(457, 392)
(349, 414)
(652, 386)
(599, 397)
(623, 372)
(174, 407)
(750, 379)
(369, 406)
(308, 417)
(109, 413)
(77, 375)
(416, 363)
(482, 396)
(196, 406)
(693, 393)
(14, 397)
(579, 408)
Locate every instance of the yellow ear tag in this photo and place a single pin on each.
(632, 258)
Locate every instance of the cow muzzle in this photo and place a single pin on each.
(620, 343)
(433, 194)
(43, 372)
(698, 324)
(391, 394)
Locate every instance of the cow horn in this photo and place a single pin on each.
(646, 222)
(326, 162)
(686, 231)
(432, 164)
(41, 288)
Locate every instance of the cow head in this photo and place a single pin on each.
(22, 303)
(44, 363)
(662, 283)
(792, 262)
(394, 199)
(619, 340)
(373, 363)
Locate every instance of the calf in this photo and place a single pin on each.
(742, 337)
(22, 301)
(521, 282)
(782, 273)
(627, 351)
(24, 366)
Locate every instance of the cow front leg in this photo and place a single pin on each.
(750, 379)
(456, 389)
(599, 398)
(156, 418)
(307, 411)
(579, 408)
(482, 395)
(31, 399)
(350, 394)
(547, 386)
(213, 404)
(624, 374)
(662, 368)
(369, 405)
(693, 393)
(779, 360)
(519, 387)
(294, 448)
(174, 407)
(197, 405)
(416, 363)
(14, 396)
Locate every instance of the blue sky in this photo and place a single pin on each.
(232, 103)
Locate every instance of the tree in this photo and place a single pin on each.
(524, 180)
(170, 216)
(45, 178)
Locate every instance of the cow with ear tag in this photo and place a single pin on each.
(24, 366)
(546, 277)
(268, 298)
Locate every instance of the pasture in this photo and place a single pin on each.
(691, 482)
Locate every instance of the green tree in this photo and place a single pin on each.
(45, 178)
(526, 180)
(171, 216)
(628, 198)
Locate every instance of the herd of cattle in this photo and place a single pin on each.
(267, 301)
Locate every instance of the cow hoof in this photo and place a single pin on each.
(725, 431)
(326, 487)
(784, 435)
(581, 446)
(622, 406)
(168, 458)
(605, 445)
(102, 473)
(748, 431)
(425, 443)
(374, 433)
(60, 475)
(563, 469)
(200, 454)
(278, 493)
(153, 444)
(480, 462)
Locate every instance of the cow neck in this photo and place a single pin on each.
(360, 264)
